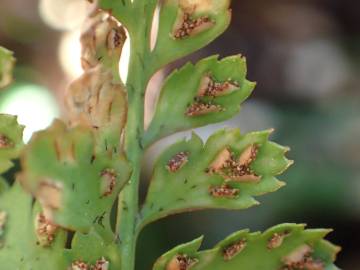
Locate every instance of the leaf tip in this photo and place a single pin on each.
(290, 163)
(270, 131)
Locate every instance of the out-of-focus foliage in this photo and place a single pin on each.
(74, 183)
(11, 142)
(7, 62)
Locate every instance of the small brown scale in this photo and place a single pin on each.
(276, 240)
(209, 88)
(301, 259)
(49, 193)
(101, 264)
(181, 262)
(224, 191)
(4, 141)
(242, 167)
(79, 265)
(189, 25)
(233, 169)
(247, 160)
(236, 169)
(214, 89)
(312, 264)
(201, 108)
(232, 250)
(307, 264)
(177, 161)
(115, 39)
(45, 230)
(108, 178)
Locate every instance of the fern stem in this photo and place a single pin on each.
(128, 200)
(138, 77)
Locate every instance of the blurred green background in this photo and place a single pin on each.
(305, 56)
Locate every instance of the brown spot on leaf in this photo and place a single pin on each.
(108, 182)
(5, 142)
(224, 191)
(234, 249)
(101, 264)
(248, 155)
(298, 255)
(276, 240)
(116, 38)
(186, 25)
(79, 265)
(181, 262)
(49, 194)
(45, 230)
(232, 169)
(202, 108)
(312, 264)
(302, 258)
(210, 88)
(220, 160)
(177, 161)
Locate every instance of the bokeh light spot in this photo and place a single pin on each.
(34, 105)
(70, 54)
